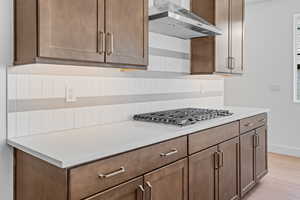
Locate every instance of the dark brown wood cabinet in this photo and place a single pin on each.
(168, 183)
(247, 162)
(203, 175)
(127, 31)
(220, 163)
(229, 170)
(214, 173)
(82, 32)
(261, 164)
(132, 190)
(68, 29)
(224, 53)
(254, 165)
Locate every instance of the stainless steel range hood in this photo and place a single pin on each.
(170, 19)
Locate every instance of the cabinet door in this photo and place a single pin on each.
(127, 32)
(247, 147)
(132, 190)
(168, 183)
(222, 41)
(261, 152)
(237, 35)
(229, 170)
(71, 29)
(203, 175)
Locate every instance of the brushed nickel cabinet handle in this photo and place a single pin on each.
(119, 171)
(110, 47)
(101, 42)
(149, 186)
(216, 160)
(258, 140)
(231, 63)
(112, 43)
(254, 141)
(140, 193)
(172, 152)
(221, 159)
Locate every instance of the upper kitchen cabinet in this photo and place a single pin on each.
(127, 31)
(223, 53)
(82, 32)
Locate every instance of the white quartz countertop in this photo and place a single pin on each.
(70, 148)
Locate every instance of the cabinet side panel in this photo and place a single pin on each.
(25, 31)
(36, 179)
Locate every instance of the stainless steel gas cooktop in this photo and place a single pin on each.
(182, 117)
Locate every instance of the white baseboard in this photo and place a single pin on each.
(285, 150)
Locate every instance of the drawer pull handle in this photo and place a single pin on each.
(141, 192)
(149, 186)
(120, 171)
(221, 157)
(248, 124)
(101, 44)
(172, 152)
(216, 160)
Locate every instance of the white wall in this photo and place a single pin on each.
(268, 78)
(6, 166)
(6, 180)
(6, 31)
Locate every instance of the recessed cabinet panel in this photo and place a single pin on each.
(203, 175)
(126, 31)
(261, 152)
(229, 170)
(132, 190)
(70, 29)
(168, 183)
(237, 35)
(222, 41)
(247, 145)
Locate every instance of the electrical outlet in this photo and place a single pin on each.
(70, 95)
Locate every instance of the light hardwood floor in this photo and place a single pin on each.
(282, 182)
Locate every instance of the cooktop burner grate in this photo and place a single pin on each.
(182, 117)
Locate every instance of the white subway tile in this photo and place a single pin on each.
(12, 86)
(39, 122)
(23, 124)
(12, 125)
(59, 86)
(48, 87)
(23, 87)
(35, 86)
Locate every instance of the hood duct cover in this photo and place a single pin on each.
(170, 19)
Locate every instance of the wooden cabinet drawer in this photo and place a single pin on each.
(251, 123)
(95, 177)
(211, 137)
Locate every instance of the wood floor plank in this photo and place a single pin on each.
(282, 182)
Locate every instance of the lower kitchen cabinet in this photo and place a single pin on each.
(261, 164)
(214, 173)
(168, 183)
(220, 163)
(132, 190)
(203, 175)
(253, 158)
(247, 162)
(229, 170)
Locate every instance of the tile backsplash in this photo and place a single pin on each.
(37, 93)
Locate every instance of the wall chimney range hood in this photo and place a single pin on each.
(170, 19)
